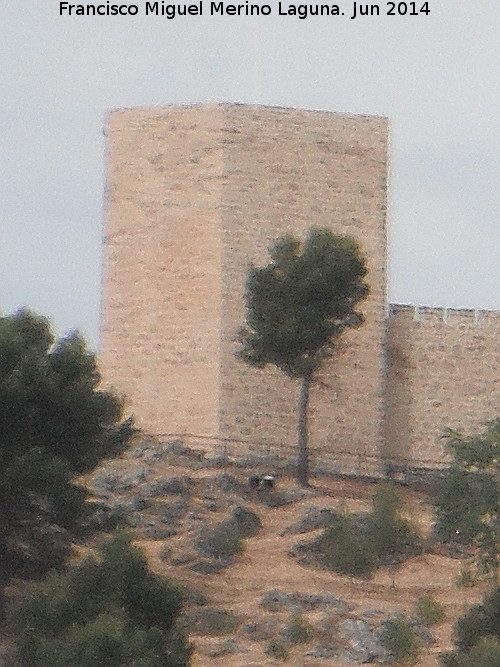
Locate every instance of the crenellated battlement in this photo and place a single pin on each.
(443, 370)
(455, 316)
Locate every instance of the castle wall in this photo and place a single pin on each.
(443, 371)
(160, 338)
(197, 194)
(194, 195)
(287, 170)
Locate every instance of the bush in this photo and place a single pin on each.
(464, 497)
(480, 621)
(224, 541)
(298, 630)
(466, 578)
(277, 649)
(390, 534)
(345, 549)
(400, 640)
(486, 653)
(245, 521)
(112, 612)
(165, 553)
(357, 547)
(478, 635)
(429, 611)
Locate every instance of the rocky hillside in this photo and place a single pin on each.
(250, 601)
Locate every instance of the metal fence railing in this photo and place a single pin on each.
(323, 459)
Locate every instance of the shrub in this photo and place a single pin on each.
(165, 553)
(277, 649)
(111, 612)
(245, 521)
(486, 653)
(224, 541)
(463, 499)
(429, 610)
(345, 549)
(390, 534)
(298, 630)
(478, 635)
(356, 547)
(466, 578)
(221, 622)
(400, 640)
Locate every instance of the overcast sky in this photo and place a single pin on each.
(436, 76)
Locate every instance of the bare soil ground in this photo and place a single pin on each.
(265, 565)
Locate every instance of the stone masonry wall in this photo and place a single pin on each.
(160, 338)
(443, 371)
(287, 170)
(194, 195)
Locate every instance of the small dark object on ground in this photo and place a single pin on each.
(262, 481)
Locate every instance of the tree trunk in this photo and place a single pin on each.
(303, 453)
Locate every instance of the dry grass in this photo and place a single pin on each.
(265, 565)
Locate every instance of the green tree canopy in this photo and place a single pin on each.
(297, 308)
(111, 612)
(54, 423)
(480, 451)
(467, 503)
(478, 635)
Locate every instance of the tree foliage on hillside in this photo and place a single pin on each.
(54, 423)
(478, 635)
(111, 611)
(467, 504)
(297, 308)
(357, 545)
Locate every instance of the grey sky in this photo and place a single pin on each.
(436, 77)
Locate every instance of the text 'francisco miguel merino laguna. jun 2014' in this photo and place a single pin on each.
(166, 10)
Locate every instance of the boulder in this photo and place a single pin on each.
(210, 621)
(321, 651)
(184, 558)
(154, 454)
(136, 503)
(104, 482)
(167, 487)
(259, 631)
(158, 532)
(362, 641)
(171, 512)
(275, 600)
(112, 480)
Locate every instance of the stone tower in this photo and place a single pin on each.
(194, 195)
